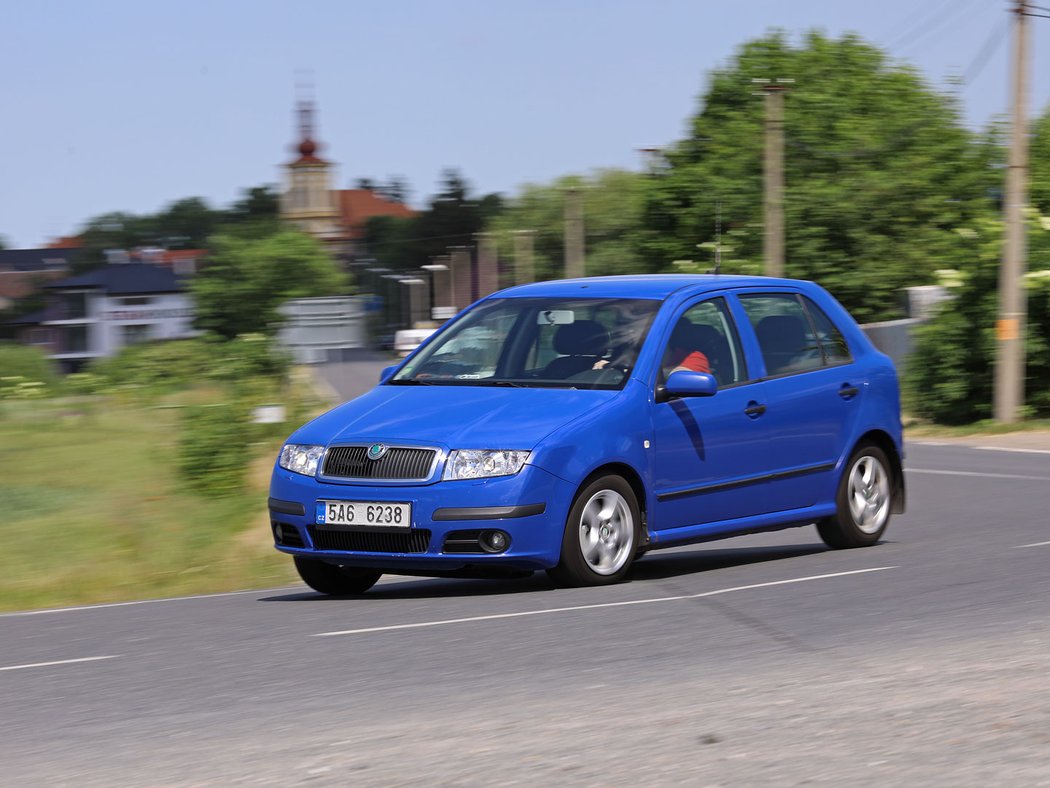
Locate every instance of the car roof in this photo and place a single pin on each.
(650, 286)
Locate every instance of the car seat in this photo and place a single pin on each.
(580, 344)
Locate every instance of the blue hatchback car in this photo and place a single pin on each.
(572, 425)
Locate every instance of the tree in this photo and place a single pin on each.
(879, 172)
(245, 280)
(1039, 161)
(395, 189)
(453, 217)
(949, 378)
(613, 208)
(258, 202)
(3, 242)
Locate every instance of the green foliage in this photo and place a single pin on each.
(28, 364)
(613, 205)
(949, 378)
(161, 367)
(213, 447)
(453, 218)
(245, 280)
(1039, 160)
(879, 171)
(184, 224)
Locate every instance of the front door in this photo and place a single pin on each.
(709, 453)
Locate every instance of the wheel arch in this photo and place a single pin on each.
(634, 479)
(883, 440)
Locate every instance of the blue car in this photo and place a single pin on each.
(571, 426)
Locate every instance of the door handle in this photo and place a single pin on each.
(754, 409)
(848, 392)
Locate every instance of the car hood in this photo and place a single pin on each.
(456, 417)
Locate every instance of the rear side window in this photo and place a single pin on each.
(836, 351)
(785, 333)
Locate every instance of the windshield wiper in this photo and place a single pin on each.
(411, 382)
(508, 383)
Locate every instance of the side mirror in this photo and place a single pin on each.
(684, 383)
(386, 372)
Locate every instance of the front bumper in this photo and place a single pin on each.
(530, 507)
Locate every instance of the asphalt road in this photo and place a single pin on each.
(760, 660)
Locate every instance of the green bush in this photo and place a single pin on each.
(213, 447)
(28, 364)
(169, 366)
(950, 377)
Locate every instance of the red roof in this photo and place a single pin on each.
(66, 242)
(357, 206)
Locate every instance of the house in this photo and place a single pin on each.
(95, 314)
(25, 271)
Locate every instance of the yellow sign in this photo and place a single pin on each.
(1007, 329)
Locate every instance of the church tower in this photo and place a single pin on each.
(308, 200)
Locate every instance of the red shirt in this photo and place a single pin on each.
(694, 362)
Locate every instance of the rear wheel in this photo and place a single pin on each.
(601, 534)
(864, 501)
(335, 580)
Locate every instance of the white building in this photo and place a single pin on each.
(98, 313)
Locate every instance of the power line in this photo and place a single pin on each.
(989, 48)
(905, 32)
(942, 16)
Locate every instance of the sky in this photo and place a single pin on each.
(129, 105)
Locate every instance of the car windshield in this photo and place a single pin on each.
(582, 343)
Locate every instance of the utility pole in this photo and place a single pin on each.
(573, 233)
(1008, 396)
(773, 192)
(524, 268)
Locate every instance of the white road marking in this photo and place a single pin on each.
(1033, 544)
(1022, 451)
(976, 473)
(597, 606)
(57, 662)
(946, 445)
(103, 605)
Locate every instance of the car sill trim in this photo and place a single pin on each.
(765, 477)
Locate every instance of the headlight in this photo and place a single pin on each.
(301, 459)
(481, 463)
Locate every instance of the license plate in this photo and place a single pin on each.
(373, 513)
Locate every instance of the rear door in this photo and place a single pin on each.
(813, 393)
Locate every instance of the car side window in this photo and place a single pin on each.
(836, 351)
(704, 340)
(785, 334)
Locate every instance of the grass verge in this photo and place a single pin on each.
(92, 510)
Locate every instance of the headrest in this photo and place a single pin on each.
(582, 338)
(781, 332)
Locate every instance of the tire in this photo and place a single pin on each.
(601, 534)
(864, 501)
(335, 580)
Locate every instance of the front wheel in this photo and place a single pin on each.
(863, 502)
(601, 534)
(335, 580)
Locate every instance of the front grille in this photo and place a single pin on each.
(415, 540)
(399, 463)
(286, 535)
